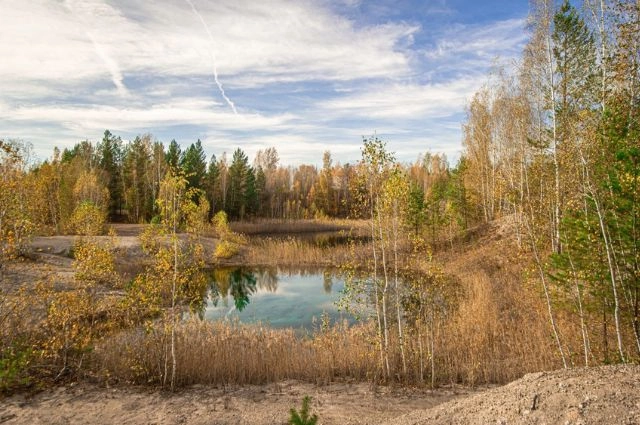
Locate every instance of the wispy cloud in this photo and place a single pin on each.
(406, 101)
(502, 38)
(93, 118)
(112, 66)
(309, 75)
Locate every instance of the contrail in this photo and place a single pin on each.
(110, 63)
(213, 57)
(112, 66)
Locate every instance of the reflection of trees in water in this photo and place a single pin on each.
(240, 283)
(302, 271)
(327, 281)
(237, 283)
(327, 274)
(267, 279)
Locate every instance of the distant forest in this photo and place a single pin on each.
(124, 179)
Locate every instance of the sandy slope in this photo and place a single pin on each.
(602, 395)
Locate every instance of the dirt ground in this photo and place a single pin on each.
(602, 395)
(269, 404)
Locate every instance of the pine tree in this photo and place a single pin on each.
(211, 185)
(193, 163)
(137, 191)
(173, 154)
(110, 153)
(238, 175)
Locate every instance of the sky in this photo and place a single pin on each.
(301, 76)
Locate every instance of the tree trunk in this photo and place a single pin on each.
(397, 285)
(385, 292)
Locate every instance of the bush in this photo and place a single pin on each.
(95, 263)
(221, 225)
(14, 362)
(226, 249)
(88, 219)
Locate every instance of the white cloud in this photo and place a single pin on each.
(502, 38)
(178, 112)
(408, 101)
(53, 43)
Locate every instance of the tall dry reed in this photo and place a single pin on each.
(298, 252)
(228, 353)
(275, 227)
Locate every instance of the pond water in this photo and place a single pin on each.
(282, 298)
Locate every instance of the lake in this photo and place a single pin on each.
(281, 297)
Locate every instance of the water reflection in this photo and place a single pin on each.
(281, 297)
(327, 281)
(237, 283)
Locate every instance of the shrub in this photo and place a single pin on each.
(221, 225)
(14, 363)
(94, 263)
(226, 249)
(88, 219)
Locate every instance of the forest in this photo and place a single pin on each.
(123, 180)
(523, 256)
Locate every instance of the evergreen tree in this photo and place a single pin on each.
(211, 185)
(574, 54)
(193, 163)
(173, 154)
(110, 153)
(262, 195)
(138, 197)
(416, 208)
(238, 172)
(250, 194)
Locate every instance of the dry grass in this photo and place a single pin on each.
(224, 353)
(278, 227)
(298, 252)
(498, 334)
(500, 330)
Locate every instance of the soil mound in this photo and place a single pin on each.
(599, 395)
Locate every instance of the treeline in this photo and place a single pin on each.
(123, 179)
(556, 144)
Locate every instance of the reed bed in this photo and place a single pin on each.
(277, 227)
(227, 353)
(298, 252)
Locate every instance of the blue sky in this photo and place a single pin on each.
(301, 76)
